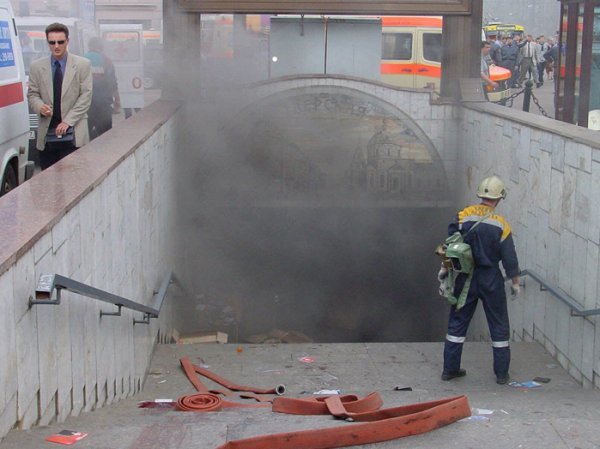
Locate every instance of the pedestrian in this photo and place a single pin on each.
(105, 92)
(528, 60)
(510, 53)
(494, 53)
(551, 57)
(490, 238)
(487, 82)
(541, 48)
(60, 91)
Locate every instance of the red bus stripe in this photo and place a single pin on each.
(11, 94)
(411, 69)
(411, 21)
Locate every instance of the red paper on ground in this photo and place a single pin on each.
(66, 437)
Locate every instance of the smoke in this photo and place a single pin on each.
(277, 226)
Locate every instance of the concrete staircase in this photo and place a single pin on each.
(559, 414)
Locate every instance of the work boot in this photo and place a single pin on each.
(502, 380)
(449, 376)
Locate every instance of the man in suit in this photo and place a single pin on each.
(60, 91)
(529, 60)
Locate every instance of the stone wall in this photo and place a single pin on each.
(100, 217)
(552, 172)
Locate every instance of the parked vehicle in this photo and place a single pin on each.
(498, 30)
(411, 55)
(123, 44)
(14, 123)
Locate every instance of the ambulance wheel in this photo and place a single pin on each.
(9, 180)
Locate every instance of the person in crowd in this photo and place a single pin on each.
(510, 54)
(528, 60)
(494, 53)
(541, 49)
(105, 90)
(485, 68)
(491, 241)
(60, 91)
(551, 57)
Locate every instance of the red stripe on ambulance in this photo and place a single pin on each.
(11, 94)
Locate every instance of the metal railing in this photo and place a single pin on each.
(50, 282)
(576, 309)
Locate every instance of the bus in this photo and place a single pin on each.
(497, 30)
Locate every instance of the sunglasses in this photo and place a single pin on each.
(56, 42)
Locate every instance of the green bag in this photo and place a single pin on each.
(460, 255)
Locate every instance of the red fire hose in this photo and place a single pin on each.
(382, 425)
(374, 424)
(208, 400)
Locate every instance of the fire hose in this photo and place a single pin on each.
(209, 400)
(373, 425)
(379, 425)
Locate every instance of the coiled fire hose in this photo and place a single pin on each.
(209, 400)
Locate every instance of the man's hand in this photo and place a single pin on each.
(46, 110)
(515, 289)
(61, 129)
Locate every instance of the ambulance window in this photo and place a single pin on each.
(122, 46)
(396, 46)
(432, 47)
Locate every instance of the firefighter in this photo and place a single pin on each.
(491, 242)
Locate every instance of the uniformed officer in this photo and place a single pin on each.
(491, 242)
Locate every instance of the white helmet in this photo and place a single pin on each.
(492, 188)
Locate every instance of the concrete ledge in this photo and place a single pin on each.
(566, 130)
(31, 210)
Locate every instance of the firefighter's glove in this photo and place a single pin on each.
(442, 274)
(515, 289)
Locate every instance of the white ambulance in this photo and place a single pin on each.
(14, 117)
(124, 45)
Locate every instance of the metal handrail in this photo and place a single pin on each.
(576, 309)
(50, 282)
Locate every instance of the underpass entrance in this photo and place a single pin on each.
(317, 210)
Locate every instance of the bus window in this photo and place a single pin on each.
(396, 46)
(432, 47)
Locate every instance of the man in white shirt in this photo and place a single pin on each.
(529, 60)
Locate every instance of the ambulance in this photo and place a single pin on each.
(124, 45)
(14, 118)
(411, 55)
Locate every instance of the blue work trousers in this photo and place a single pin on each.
(488, 285)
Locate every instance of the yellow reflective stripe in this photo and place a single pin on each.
(453, 339)
(475, 212)
(500, 344)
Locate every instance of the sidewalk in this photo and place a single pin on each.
(544, 95)
(555, 415)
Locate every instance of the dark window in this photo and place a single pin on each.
(396, 46)
(432, 47)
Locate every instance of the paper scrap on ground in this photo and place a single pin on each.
(66, 437)
(327, 392)
(528, 384)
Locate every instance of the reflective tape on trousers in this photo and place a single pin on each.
(453, 339)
